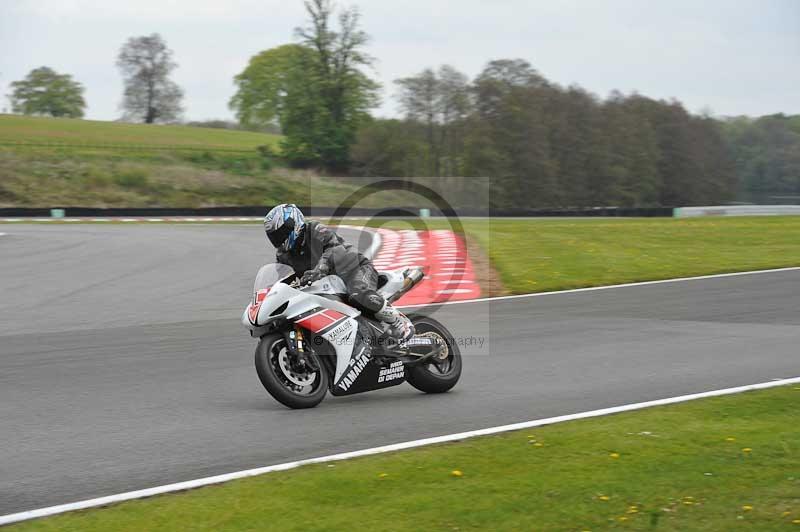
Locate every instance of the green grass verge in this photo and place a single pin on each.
(728, 463)
(554, 255)
(539, 255)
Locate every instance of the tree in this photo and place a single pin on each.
(766, 154)
(543, 145)
(511, 140)
(631, 177)
(440, 100)
(389, 148)
(150, 96)
(315, 89)
(272, 79)
(342, 93)
(46, 92)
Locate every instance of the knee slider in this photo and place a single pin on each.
(368, 300)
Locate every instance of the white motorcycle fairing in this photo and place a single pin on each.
(319, 311)
(328, 318)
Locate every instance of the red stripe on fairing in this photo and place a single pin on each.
(333, 314)
(321, 320)
(252, 310)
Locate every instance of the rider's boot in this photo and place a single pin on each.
(400, 327)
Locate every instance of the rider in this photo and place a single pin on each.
(314, 251)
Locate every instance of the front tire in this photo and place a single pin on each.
(288, 387)
(442, 374)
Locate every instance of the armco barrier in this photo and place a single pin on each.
(15, 212)
(737, 210)
(393, 212)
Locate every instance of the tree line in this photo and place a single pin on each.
(766, 154)
(538, 143)
(544, 145)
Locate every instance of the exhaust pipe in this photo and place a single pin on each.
(412, 276)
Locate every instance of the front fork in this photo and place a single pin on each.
(296, 344)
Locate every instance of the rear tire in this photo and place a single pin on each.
(442, 375)
(277, 381)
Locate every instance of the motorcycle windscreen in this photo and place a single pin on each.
(269, 274)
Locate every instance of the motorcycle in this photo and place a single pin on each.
(311, 341)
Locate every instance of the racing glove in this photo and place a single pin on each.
(313, 275)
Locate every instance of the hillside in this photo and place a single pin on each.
(46, 162)
(16, 129)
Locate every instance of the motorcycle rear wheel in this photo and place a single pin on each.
(440, 375)
(290, 388)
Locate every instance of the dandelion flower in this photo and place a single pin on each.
(538, 444)
(747, 450)
(383, 475)
(604, 497)
(614, 455)
(457, 473)
(747, 508)
(796, 522)
(729, 438)
(786, 513)
(622, 518)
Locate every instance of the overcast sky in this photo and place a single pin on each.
(727, 56)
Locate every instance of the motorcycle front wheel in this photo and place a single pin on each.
(440, 374)
(282, 379)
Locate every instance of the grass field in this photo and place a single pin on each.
(728, 463)
(41, 130)
(539, 255)
(66, 162)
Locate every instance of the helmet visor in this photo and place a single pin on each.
(281, 234)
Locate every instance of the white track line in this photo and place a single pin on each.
(180, 486)
(607, 287)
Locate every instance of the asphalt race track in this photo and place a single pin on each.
(123, 364)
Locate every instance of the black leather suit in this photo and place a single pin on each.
(320, 247)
